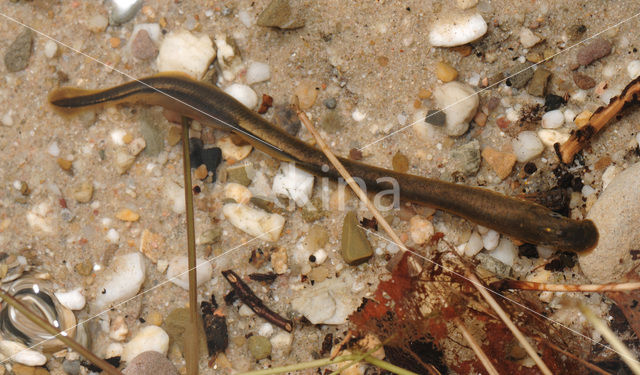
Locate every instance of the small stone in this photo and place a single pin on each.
(280, 14)
(120, 281)
(155, 318)
(127, 215)
(244, 94)
(355, 154)
(493, 265)
(183, 51)
(152, 132)
(436, 117)
(500, 162)
(149, 245)
(294, 183)
(174, 135)
(115, 42)
(424, 94)
(118, 329)
(466, 4)
(258, 72)
(456, 29)
(506, 252)
(460, 103)
(209, 236)
(400, 163)
(149, 338)
(71, 367)
(445, 72)
(21, 354)
(549, 137)
(420, 229)
(254, 222)
(17, 56)
(519, 75)
(583, 81)
(178, 273)
(83, 192)
(287, 119)
(232, 152)
(330, 301)
(259, 347)
(553, 119)
(307, 93)
(73, 299)
(355, 247)
(50, 49)
(633, 69)
(474, 245)
(142, 46)
(201, 172)
(150, 363)
(239, 193)
(330, 103)
(596, 49)
(527, 146)
(538, 84)
(318, 274)
(238, 175)
(97, 23)
(64, 164)
(124, 161)
(576, 31)
(466, 159)
(528, 38)
(279, 261)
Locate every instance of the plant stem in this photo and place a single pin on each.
(302, 365)
(388, 366)
(36, 319)
(191, 355)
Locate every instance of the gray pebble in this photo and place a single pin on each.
(279, 13)
(152, 133)
(330, 103)
(465, 160)
(150, 363)
(123, 10)
(17, 56)
(596, 49)
(493, 265)
(436, 117)
(521, 75)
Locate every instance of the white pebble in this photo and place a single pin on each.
(117, 136)
(281, 341)
(474, 245)
(265, 330)
(633, 69)
(244, 94)
(466, 4)
(609, 71)
(114, 349)
(457, 29)
(184, 52)
(505, 252)
(174, 194)
(7, 118)
(294, 183)
(545, 252)
(490, 239)
(120, 281)
(118, 330)
(320, 256)
(528, 38)
(258, 72)
(483, 230)
(549, 137)
(237, 192)
(358, 115)
(579, 96)
(245, 311)
(153, 29)
(230, 151)
(527, 146)
(420, 229)
(255, 222)
(21, 354)
(512, 114)
(136, 146)
(113, 236)
(608, 94)
(50, 48)
(178, 271)
(569, 116)
(459, 103)
(246, 19)
(553, 119)
(148, 338)
(97, 23)
(53, 149)
(587, 190)
(73, 299)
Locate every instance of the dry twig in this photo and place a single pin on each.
(590, 288)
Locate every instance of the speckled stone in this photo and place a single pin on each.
(150, 363)
(17, 56)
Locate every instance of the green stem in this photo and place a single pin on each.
(36, 319)
(388, 366)
(191, 355)
(301, 366)
(359, 358)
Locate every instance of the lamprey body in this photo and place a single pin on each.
(518, 218)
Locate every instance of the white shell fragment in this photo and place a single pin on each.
(73, 299)
(19, 353)
(178, 271)
(121, 280)
(460, 103)
(149, 338)
(293, 183)
(184, 52)
(255, 222)
(457, 29)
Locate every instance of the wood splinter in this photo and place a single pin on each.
(579, 138)
(585, 288)
(249, 298)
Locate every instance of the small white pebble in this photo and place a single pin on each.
(608, 94)
(358, 115)
(237, 192)
(265, 330)
(545, 252)
(320, 256)
(569, 116)
(483, 230)
(587, 190)
(113, 236)
(528, 38)
(474, 245)
(490, 239)
(505, 252)
(244, 94)
(633, 69)
(73, 299)
(553, 119)
(7, 118)
(53, 149)
(258, 72)
(512, 114)
(420, 229)
(609, 71)
(114, 350)
(50, 48)
(456, 29)
(527, 146)
(392, 248)
(550, 137)
(185, 52)
(579, 96)
(281, 341)
(245, 311)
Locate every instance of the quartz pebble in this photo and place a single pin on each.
(460, 103)
(142, 46)
(527, 146)
(83, 192)
(150, 363)
(258, 72)
(178, 271)
(633, 69)
(122, 280)
(616, 214)
(123, 10)
(594, 50)
(294, 183)
(254, 222)
(244, 94)
(500, 162)
(457, 29)
(237, 192)
(50, 49)
(21, 354)
(174, 194)
(490, 239)
(185, 52)
(466, 4)
(474, 245)
(506, 252)
(465, 160)
(549, 137)
(553, 119)
(231, 151)
(420, 229)
(19, 51)
(149, 338)
(528, 38)
(123, 161)
(73, 299)
(118, 329)
(279, 261)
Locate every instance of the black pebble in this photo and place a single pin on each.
(211, 157)
(552, 102)
(435, 117)
(530, 168)
(528, 250)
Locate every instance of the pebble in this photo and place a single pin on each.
(259, 347)
(500, 162)
(266, 330)
(490, 239)
(149, 338)
(201, 172)
(258, 72)
(50, 49)
(124, 10)
(330, 103)
(83, 192)
(73, 299)
(466, 4)
(229, 58)
(244, 94)
(466, 159)
(328, 302)
(254, 222)
(549, 137)
(527, 146)
(185, 52)
(594, 50)
(474, 245)
(460, 103)
(150, 363)
(583, 81)
(17, 56)
(528, 38)
(400, 163)
(506, 252)
(174, 194)
(21, 354)
(354, 247)
(294, 183)
(520, 75)
(436, 117)
(616, 214)
(237, 192)
(633, 69)
(113, 236)
(118, 329)
(608, 175)
(142, 46)
(71, 367)
(178, 271)
(445, 72)
(553, 119)
(282, 342)
(155, 318)
(122, 280)
(320, 256)
(279, 261)
(280, 14)
(232, 152)
(97, 23)
(307, 93)
(493, 265)
(539, 82)
(127, 215)
(19, 369)
(238, 175)
(123, 161)
(455, 29)
(7, 118)
(420, 229)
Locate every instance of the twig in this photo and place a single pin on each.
(192, 342)
(587, 364)
(580, 137)
(611, 337)
(36, 319)
(476, 347)
(336, 350)
(529, 285)
(247, 296)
